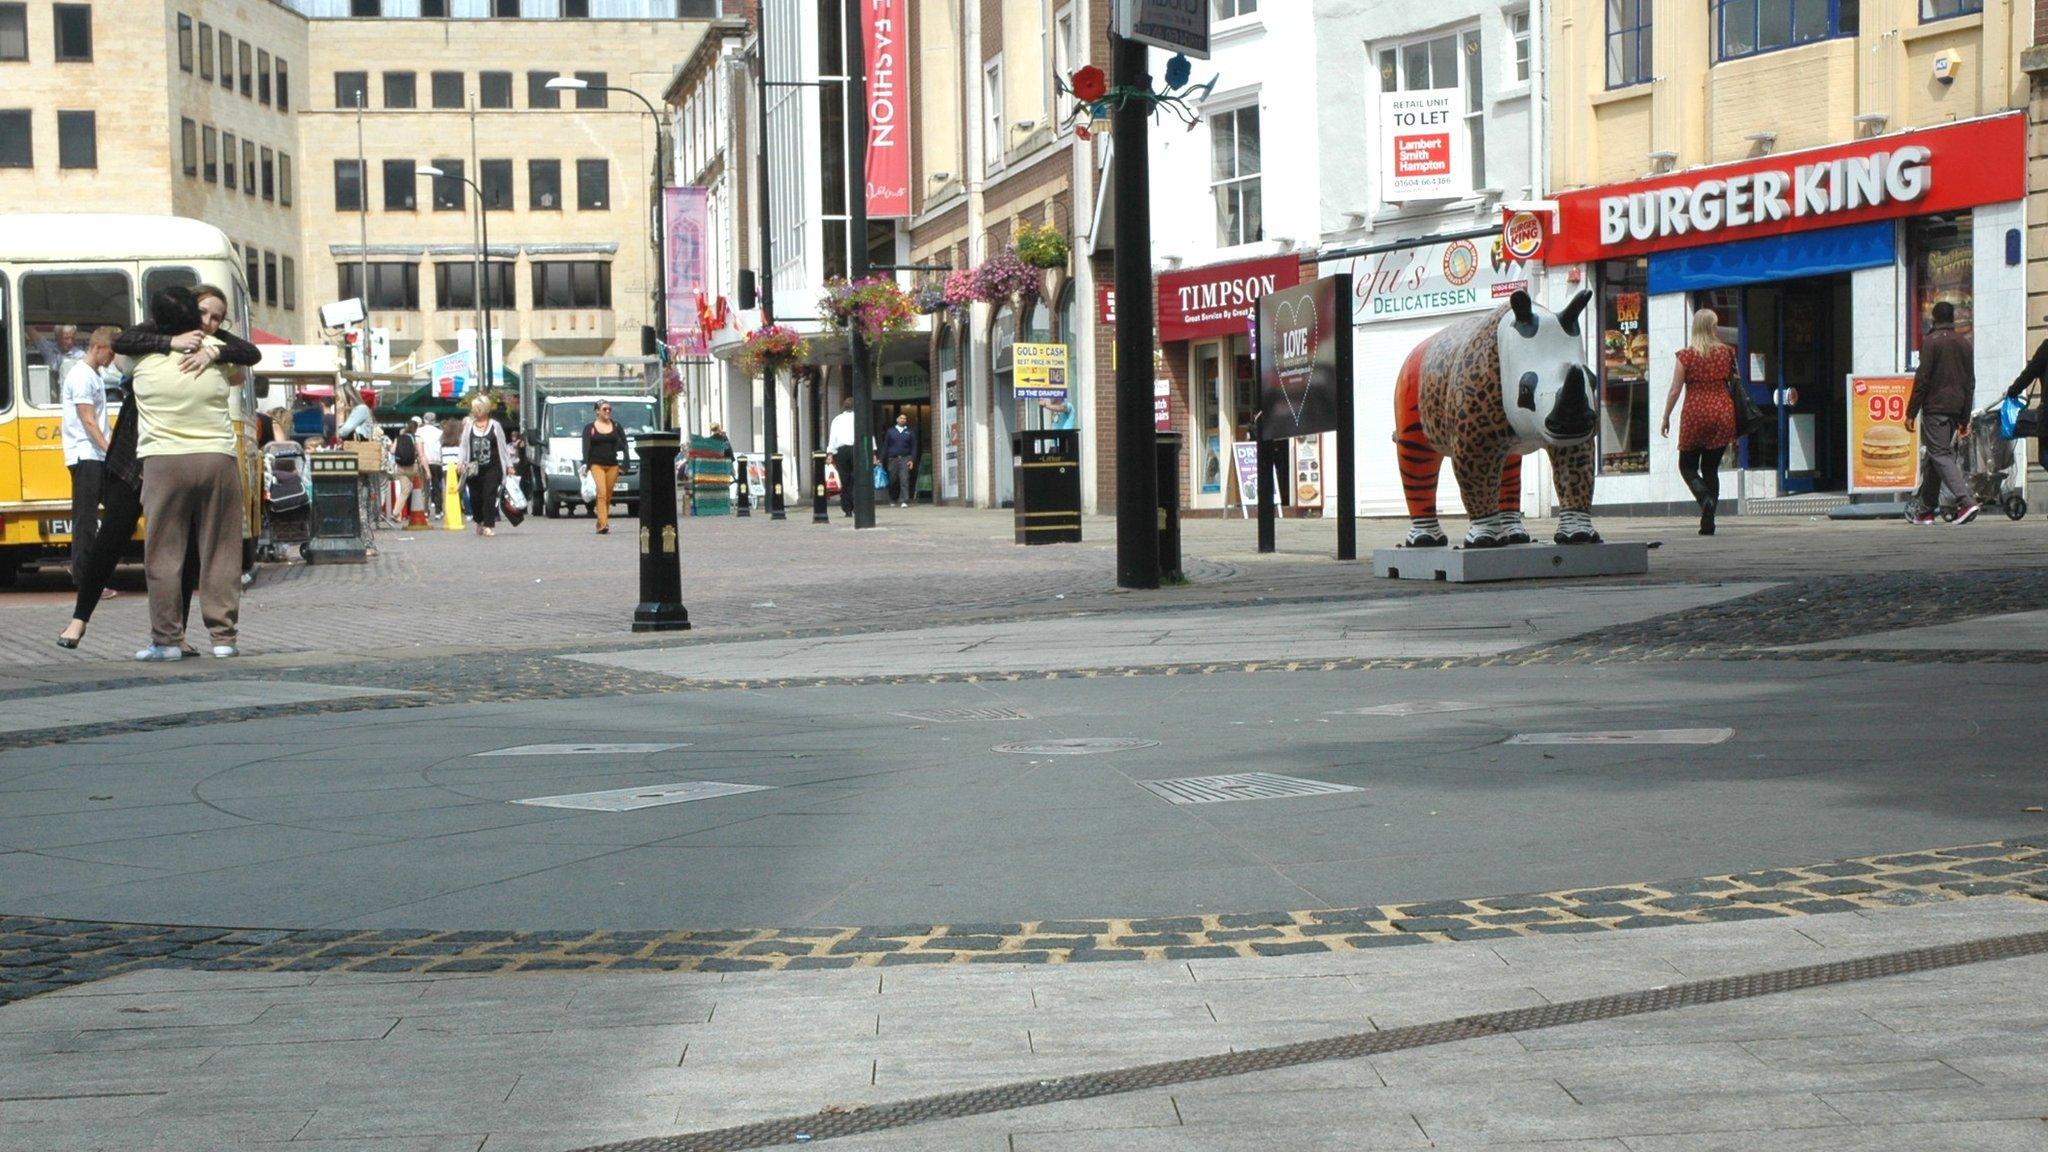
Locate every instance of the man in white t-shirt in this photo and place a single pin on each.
(428, 436)
(84, 428)
(839, 445)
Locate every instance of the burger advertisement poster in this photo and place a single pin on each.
(1882, 453)
(1625, 346)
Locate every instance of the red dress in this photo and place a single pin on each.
(1708, 419)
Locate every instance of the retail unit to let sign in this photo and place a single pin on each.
(884, 24)
(1041, 371)
(1883, 455)
(1423, 150)
(1176, 25)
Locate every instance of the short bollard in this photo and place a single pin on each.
(661, 565)
(743, 506)
(819, 505)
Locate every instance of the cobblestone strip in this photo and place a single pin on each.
(39, 955)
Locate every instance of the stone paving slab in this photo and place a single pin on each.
(95, 709)
(2012, 631)
(230, 1060)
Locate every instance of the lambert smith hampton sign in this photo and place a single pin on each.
(1904, 174)
(1424, 153)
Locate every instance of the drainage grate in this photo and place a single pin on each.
(581, 750)
(651, 796)
(1087, 1086)
(1408, 708)
(1241, 786)
(1648, 736)
(965, 715)
(1078, 746)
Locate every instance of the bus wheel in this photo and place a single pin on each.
(10, 571)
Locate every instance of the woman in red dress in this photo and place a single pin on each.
(1707, 426)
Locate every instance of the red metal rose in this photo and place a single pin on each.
(1089, 84)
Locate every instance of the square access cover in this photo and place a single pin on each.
(650, 796)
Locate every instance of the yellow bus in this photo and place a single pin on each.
(61, 276)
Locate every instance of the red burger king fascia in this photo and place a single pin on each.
(1916, 173)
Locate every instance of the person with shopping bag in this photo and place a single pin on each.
(2035, 372)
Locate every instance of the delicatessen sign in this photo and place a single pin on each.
(1941, 169)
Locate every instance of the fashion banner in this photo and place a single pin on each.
(1883, 455)
(885, 24)
(1041, 371)
(1304, 358)
(685, 212)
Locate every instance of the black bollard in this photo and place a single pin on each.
(661, 564)
(774, 497)
(820, 513)
(743, 507)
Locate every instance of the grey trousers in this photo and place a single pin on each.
(186, 497)
(903, 478)
(1938, 437)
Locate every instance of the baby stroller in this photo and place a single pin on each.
(1995, 468)
(287, 500)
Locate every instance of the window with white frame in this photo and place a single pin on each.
(1234, 175)
(1450, 60)
(992, 114)
(1064, 50)
(1518, 37)
(1232, 9)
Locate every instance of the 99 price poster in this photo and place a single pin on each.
(1883, 456)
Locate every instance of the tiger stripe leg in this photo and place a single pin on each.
(1420, 463)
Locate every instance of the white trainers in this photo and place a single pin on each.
(157, 652)
(223, 651)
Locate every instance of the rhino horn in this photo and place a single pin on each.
(1525, 313)
(1569, 318)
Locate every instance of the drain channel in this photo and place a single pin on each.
(1006, 1097)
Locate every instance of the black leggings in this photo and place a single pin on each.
(1702, 472)
(122, 504)
(483, 495)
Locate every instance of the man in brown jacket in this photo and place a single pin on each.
(1944, 390)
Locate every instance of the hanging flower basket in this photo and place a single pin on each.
(774, 348)
(1043, 246)
(877, 305)
(930, 300)
(959, 290)
(1004, 277)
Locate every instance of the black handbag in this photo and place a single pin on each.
(1749, 419)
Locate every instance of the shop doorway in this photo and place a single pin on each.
(920, 413)
(1793, 354)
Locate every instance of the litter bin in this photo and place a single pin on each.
(1167, 458)
(337, 510)
(1047, 464)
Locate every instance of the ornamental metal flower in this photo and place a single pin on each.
(1089, 84)
(1095, 98)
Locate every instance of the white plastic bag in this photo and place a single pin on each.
(514, 494)
(589, 488)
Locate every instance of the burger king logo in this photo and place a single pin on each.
(1522, 235)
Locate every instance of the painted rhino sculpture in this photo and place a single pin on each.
(1486, 391)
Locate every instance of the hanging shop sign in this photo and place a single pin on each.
(884, 22)
(1432, 279)
(1199, 303)
(1883, 455)
(1424, 154)
(1176, 25)
(1919, 173)
(1041, 371)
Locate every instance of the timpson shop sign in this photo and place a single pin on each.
(1905, 174)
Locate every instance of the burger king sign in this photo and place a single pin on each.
(1521, 235)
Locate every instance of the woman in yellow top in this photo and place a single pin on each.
(192, 486)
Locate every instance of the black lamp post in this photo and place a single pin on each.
(483, 288)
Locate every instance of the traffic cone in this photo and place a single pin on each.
(416, 508)
(451, 500)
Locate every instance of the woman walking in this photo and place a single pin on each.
(121, 495)
(604, 445)
(1704, 372)
(484, 456)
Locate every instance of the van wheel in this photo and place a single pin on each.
(9, 572)
(552, 509)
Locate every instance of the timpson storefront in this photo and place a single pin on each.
(1823, 266)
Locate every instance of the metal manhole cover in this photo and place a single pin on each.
(650, 796)
(1078, 746)
(580, 750)
(1640, 736)
(1241, 786)
(1407, 708)
(965, 715)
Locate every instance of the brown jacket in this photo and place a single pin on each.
(1946, 384)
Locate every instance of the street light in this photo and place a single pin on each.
(655, 214)
(483, 289)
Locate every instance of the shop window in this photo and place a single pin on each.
(1938, 267)
(73, 25)
(447, 89)
(348, 186)
(1624, 367)
(401, 178)
(184, 42)
(13, 31)
(494, 89)
(1749, 27)
(1447, 61)
(1932, 10)
(572, 284)
(1234, 176)
(394, 287)
(17, 140)
(1628, 42)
